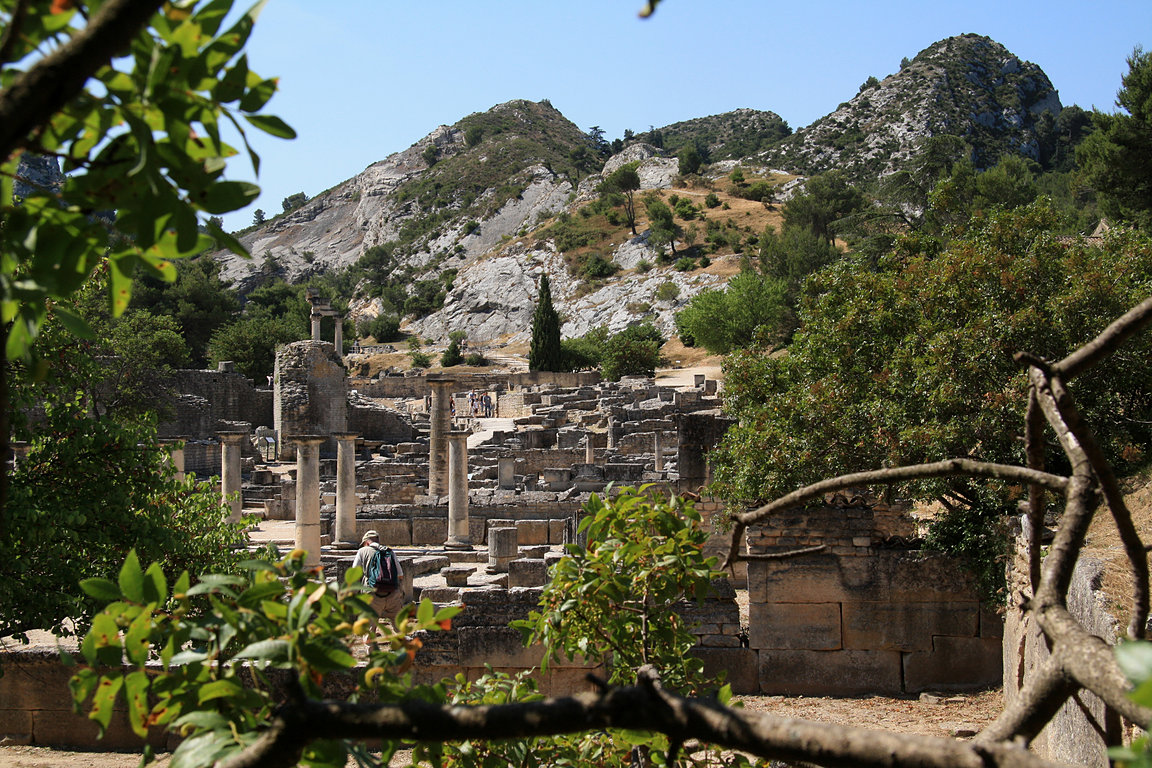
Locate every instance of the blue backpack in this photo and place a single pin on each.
(382, 574)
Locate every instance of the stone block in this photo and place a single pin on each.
(498, 646)
(429, 531)
(810, 626)
(906, 626)
(830, 673)
(954, 664)
(393, 533)
(819, 578)
(561, 681)
(739, 666)
(924, 577)
(556, 531)
(991, 623)
(527, 573)
(16, 727)
(532, 532)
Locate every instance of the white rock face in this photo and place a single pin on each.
(494, 298)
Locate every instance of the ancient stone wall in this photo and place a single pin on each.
(417, 386)
(1074, 734)
(311, 395)
(856, 618)
(208, 400)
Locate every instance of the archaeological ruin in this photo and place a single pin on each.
(839, 599)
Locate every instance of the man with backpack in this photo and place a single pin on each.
(383, 576)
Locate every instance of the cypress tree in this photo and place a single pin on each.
(544, 352)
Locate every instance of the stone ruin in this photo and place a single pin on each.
(839, 599)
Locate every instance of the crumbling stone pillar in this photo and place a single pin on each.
(589, 449)
(698, 433)
(506, 467)
(503, 548)
(613, 433)
(440, 423)
(308, 496)
(316, 317)
(311, 395)
(339, 338)
(345, 534)
(230, 473)
(458, 536)
(658, 450)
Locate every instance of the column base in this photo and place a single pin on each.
(458, 544)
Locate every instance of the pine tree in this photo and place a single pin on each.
(544, 352)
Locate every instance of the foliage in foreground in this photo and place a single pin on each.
(220, 644)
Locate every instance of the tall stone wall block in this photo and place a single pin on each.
(825, 579)
(498, 646)
(739, 666)
(429, 531)
(954, 663)
(906, 626)
(830, 673)
(393, 532)
(794, 626)
(531, 533)
(924, 577)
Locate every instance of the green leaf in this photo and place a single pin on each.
(132, 578)
(136, 643)
(155, 585)
(219, 689)
(326, 658)
(272, 125)
(275, 651)
(82, 684)
(203, 749)
(226, 196)
(1135, 659)
(136, 691)
(101, 589)
(104, 700)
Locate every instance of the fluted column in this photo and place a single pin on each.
(458, 534)
(230, 473)
(339, 338)
(316, 317)
(308, 496)
(346, 490)
(440, 423)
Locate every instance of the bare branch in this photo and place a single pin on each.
(1034, 706)
(1034, 453)
(60, 76)
(640, 707)
(946, 468)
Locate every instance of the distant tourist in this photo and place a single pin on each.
(382, 575)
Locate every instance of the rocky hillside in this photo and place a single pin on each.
(967, 86)
(467, 219)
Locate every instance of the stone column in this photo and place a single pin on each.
(345, 534)
(176, 454)
(613, 433)
(506, 468)
(441, 423)
(503, 548)
(658, 450)
(458, 535)
(230, 472)
(316, 317)
(308, 496)
(339, 339)
(589, 449)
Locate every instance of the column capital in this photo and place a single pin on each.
(231, 437)
(346, 435)
(307, 439)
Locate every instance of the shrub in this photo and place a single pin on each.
(711, 200)
(667, 291)
(471, 226)
(684, 264)
(598, 266)
(384, 327)
(451, 355)
(705, 262)
(476, 359)
(420, 359)
(684, 209)
(643, 266)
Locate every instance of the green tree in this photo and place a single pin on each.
(746, 313)
(912, 362)
(452, 355)
(293, 201)
(634, 351)
(790, 256)
(544, 351)
(198, 301)
(625, 181)
(663, 229)
(1116, 160)
(690, 160)
(251, 341)
(87, 490)
(826, 199)
(258, 217)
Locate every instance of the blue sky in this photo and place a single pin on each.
(361, 79)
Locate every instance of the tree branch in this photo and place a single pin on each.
(641, 707)
(946, 468)
(1106, 343)
(60, 76)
